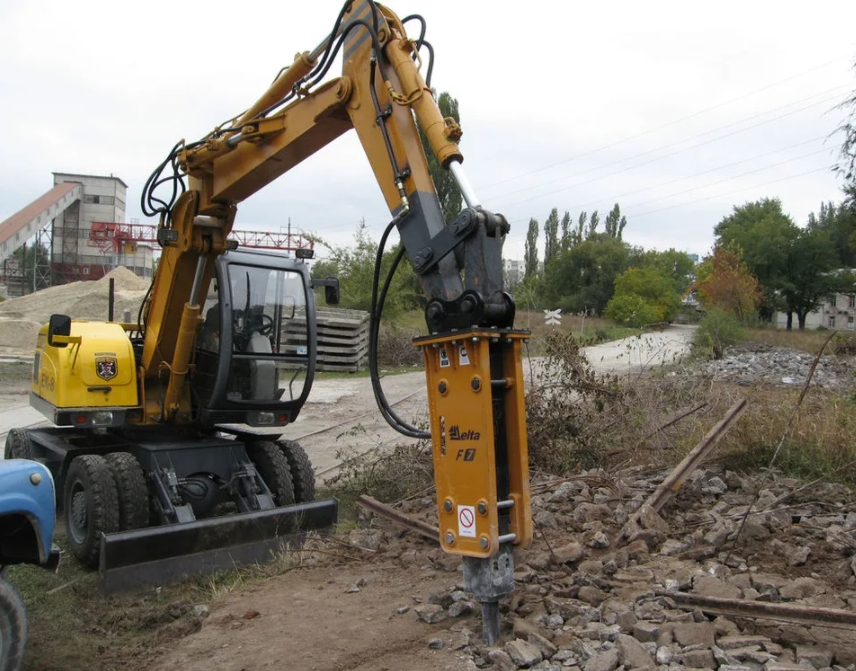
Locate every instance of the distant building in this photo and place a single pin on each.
(838, 313)
(514, 271)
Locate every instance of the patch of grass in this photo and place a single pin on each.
(822, 442)
(73, 626)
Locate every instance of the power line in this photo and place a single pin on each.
(728, 179)
(838, 59)
(728, 193)
(677, 151)
(696, 174)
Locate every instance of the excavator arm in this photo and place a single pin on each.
(472, 355)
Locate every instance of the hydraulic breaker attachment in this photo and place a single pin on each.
(481, 460)
(157, 555)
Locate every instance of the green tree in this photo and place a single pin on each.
(678, 266)
(594, 222)
(354, 266)
(580, 233)
(643, 296)
(551, 236)
(566, 230)
(582, 278)
(615, 222)
(846, 166)
(839, 221)
(812, 275)
(530, 257)
(765, 234)
(448, 191)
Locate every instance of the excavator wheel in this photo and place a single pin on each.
(302, 473)
(91, 506)
(18, 445)
(274, 469)
(131, 489)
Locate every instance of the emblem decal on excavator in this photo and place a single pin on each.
(106, 368)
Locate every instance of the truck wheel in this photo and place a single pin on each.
(13, 627)
(91, 506)
(18, 446)
(132, 490)
(302, 473)
(273, 467)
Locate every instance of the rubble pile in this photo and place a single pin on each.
(586, 601)
(751, 364)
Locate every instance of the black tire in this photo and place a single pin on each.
(13, 627)
(131, 489)
(91, 506)
(302, 473)
(273, 467)
(18, 446)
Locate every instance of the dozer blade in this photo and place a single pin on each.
(157, 555)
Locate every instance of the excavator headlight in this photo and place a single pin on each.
(265, 417)
(102, 418)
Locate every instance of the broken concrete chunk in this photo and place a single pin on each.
(698, 659)
(523, 653)
(569, 553)
(460, 608)
(430, 612)
(706, 585)
(632, 654)
(501, 660)
(545, 646)
(606, 660)
(801, 588)
(734, 642)
(693, 633)
(645, 631)
(816, 657)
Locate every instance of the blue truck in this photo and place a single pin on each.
(27, 518)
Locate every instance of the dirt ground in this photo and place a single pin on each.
(318, 620)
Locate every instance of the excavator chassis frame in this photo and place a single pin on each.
(184, 546)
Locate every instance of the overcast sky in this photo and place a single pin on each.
(676, 110)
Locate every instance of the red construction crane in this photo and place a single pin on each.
(113, 236)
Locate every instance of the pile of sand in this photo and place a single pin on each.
(20, 318)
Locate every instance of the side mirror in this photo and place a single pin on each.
(59, 325)
(331, 289)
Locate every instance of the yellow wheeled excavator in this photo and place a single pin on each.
(156, 479)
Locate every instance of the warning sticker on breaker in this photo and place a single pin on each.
(464, 357)
(467, 521)
(444, 358)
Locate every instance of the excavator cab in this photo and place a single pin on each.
(256, 349)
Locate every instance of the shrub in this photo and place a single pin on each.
(395, 346)
(632, 310)
(716, 331)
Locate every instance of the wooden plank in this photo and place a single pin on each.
(417, 526)
(676, 478)
(786, 612)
